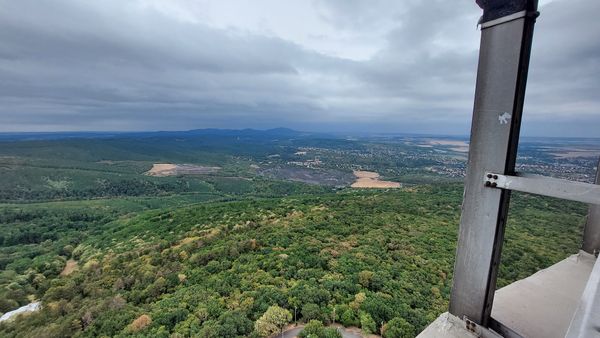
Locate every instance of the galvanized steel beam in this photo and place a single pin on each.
(546, 186)
(499, 96)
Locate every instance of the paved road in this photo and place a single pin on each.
(291, 333)
(23, 309)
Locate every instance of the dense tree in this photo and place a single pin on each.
(139, 323)
(365, 277)
(235, 324)
(314, 328)
(311, 311)
(272, 321)
(210, 329)
(349, 318)
(398, 328)
(367, 324)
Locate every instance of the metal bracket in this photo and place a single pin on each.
(471, 325)
(482, 331)
(546, 186)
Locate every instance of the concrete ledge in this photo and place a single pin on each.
(543, 304)
(450, 326)
(586, 321)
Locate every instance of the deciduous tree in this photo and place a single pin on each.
(272, 320)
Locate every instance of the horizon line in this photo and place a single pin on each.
(336, 133)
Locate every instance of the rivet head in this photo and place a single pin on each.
(489, 175)
(488, 183)
(494, 185)
(495, 177)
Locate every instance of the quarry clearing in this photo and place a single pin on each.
(370, 179)
(456, 145)
(69, 267)
(575, 153)
(169, 169)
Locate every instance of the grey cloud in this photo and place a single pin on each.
(73, 65)
(565, 64)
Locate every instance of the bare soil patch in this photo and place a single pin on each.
(161, 169)
(576, 153)
(456, 145)
(370, 179)
(69, 267)
(169, 169)
(448, 142)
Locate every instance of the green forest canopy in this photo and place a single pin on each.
(213, 269)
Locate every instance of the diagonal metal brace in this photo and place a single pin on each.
(546, 186)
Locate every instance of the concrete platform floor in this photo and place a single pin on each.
(539, 306)
(450, 326)
(543, 304)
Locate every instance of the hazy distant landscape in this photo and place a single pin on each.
(206, 232)
(221, 162)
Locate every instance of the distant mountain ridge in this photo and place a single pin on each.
(247, 132)
(273, 133)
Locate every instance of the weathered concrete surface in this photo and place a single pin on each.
(539, 306)
(293, 332)
(586, 320)
(450, 326)
(543, 304)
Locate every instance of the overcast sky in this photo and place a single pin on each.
(317, 65)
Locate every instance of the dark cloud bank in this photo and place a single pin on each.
(120, 65)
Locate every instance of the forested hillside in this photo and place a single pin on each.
(212, 269)
(249, 231)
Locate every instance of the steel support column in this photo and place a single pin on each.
(591, 234)
(499, 96)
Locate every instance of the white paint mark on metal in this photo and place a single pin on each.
(504, 118)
